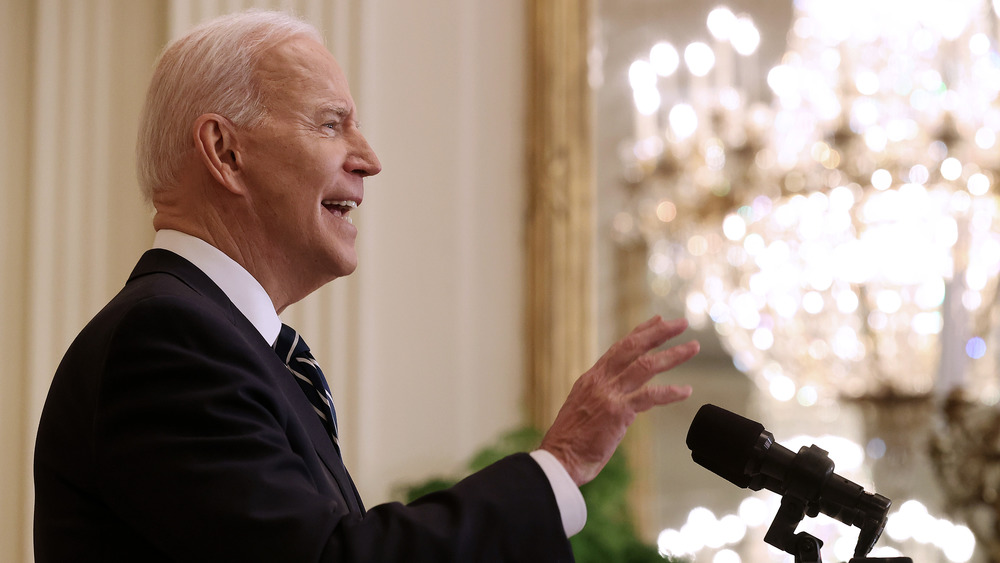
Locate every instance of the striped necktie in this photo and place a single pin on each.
(295, 353)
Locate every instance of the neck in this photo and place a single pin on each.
(241, 243)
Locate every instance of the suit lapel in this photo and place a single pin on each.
(320, 438)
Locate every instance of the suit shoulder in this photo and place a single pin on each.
(156, 307)
(161, 293)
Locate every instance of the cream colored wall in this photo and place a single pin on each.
(424, 342)
(440, 343)
(14, 97)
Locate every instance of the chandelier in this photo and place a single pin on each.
(841, 234)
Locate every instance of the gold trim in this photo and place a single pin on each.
(560, 224)
(561, 229)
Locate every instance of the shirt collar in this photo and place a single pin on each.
(239, 286)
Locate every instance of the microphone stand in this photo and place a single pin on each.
(781, 534)
(804, 546)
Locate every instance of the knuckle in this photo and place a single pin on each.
(588, 381)
(646, 363)
(622, 415)
(629, 345)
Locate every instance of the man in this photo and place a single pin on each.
(182, 425)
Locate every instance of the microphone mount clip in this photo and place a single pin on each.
(806, 475)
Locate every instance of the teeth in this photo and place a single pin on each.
(351, 204)
(348, 204)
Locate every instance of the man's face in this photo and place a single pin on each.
(304, 166)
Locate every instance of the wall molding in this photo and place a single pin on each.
(560, 215)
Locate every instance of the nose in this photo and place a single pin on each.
(363, 160)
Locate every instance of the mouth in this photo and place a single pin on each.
(340, 208)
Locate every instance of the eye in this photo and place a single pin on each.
(342, 125)
(333, 127)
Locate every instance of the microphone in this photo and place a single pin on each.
(741, 451)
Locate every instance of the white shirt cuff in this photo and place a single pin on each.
(572, 508)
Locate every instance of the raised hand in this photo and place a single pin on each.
(605, 400)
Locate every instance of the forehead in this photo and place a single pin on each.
(301, 70)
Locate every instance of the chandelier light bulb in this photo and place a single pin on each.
(699, 58)
(979, 44)
(666, 211)
(647, 100)
(664, 58)
(978, 184)
(919, 174)
(683, 120)
(881, 179)
(782, 389)
(721, 22)
(951, 169)
(745, 36)
(734, 227)
(782, 80)
(986, 138)
(727, 556)
(867, 83)
(876, 139)
(641, 75)
(975, 348)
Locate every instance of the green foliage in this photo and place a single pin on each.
(610, 534)
(413, 492)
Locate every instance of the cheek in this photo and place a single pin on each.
(319, 169)
(291, 178)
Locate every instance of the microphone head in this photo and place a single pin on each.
(723, 442)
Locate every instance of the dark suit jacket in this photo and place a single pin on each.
(172, 432)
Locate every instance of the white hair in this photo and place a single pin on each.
(211, 69)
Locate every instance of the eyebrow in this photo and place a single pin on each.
(340, 110)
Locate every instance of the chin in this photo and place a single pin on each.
(342, 265)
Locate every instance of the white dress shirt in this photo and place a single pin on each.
(250, 298)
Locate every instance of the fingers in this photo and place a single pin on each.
(641, 340)
(653, 395)
(645, 367)
(647, 323)
(605, 400)
(656, 331)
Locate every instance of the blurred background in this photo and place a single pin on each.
(810, 183)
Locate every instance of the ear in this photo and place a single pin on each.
(217, 145)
